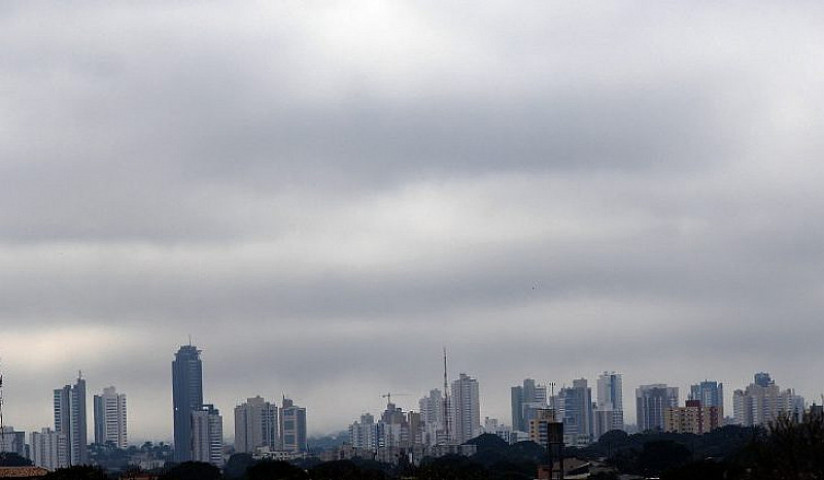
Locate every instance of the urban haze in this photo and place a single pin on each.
(322, 196)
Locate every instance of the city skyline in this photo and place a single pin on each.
(324, 196)
(193, 363)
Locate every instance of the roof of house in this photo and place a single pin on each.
(22, 472)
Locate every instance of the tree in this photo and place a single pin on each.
(237, 465)
(452, 467)
(659, 456)
(192, 471)
(11, 459)
(275, 470)
(791, 450)
(80, 472)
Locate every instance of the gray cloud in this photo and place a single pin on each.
(324, 196)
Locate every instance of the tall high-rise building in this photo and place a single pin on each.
(465, 414)
(609, 412)
(49, 449)
(207, 435)
(762, 402)
(363, 433)
(651, 402)
(110, 418)
(525, 402)
(187, 397)
(431, 408)
(577, 413)
(710, 394)
(292, 427)
(256, 425)
(70, 420)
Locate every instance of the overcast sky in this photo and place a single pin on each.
(323, 195)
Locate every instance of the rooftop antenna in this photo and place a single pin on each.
(445, 398)
(190, 339)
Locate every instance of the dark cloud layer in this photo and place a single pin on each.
(325, 195)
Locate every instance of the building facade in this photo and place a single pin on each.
(692, 418)
(576, 413)
(110, 418)
(256, 425)
(49, 449)
(710, 394)
(525, 401)
(207, 435)
(187, 397)
(763, 401)
(292, 427)
(465, 414)
(70, 420)
(651, 402)
(13, 441)
(609, 412)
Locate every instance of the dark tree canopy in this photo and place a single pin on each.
(275, 470)
(11, 459)
(82, 472)
(193, 471)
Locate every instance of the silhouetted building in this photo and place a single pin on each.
(207, 435)
(187, 397)
(292, 427)
(110, 418)
(651, 401)
(256, 425)
(70, 420)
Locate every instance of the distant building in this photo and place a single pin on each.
(363, 433)
(292, 427)
(651, 402)
(207, 435)
(110, 418)
(187, 397)
(49, 449)
(432, 410)
(710, 394)
(609, 411)
(541, 427)
(575, 411)
(13, 441)
(70, 420)
(692, 418)
(525, 400)
(762, 402)
(465, 415)
(256, 425)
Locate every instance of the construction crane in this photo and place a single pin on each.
(388, 396)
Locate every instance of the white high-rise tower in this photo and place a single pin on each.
(110, 418)
(465, 415)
